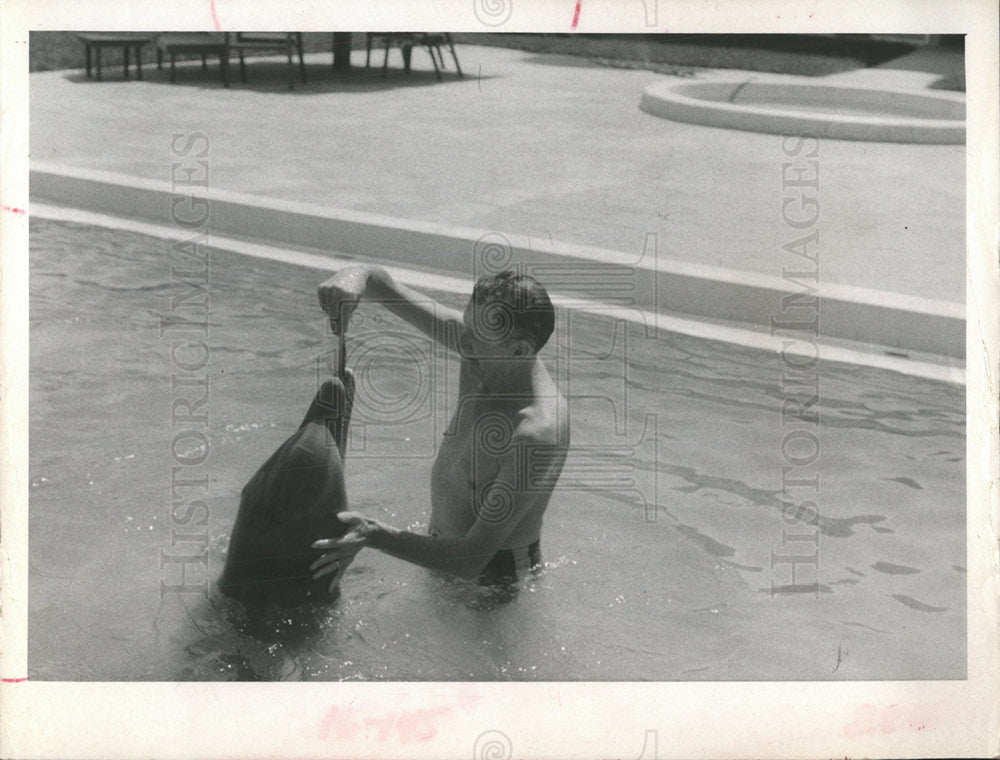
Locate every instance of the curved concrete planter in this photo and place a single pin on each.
(825, 110)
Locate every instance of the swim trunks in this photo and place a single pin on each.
(510, 565)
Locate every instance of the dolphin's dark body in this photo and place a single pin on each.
(291, 501)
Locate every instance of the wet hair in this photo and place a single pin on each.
(517, 304)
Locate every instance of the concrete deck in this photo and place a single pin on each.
(530, 146)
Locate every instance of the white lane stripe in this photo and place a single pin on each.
(446, 284)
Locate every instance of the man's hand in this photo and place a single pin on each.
(340, 295)
(342, 551)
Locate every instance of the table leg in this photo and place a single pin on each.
(342, 51)
(125, 59)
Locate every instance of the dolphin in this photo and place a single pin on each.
(293, 499)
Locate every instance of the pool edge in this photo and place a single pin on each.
(643, 281)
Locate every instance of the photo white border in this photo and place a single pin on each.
(564, 720)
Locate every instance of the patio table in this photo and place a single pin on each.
(96, 41)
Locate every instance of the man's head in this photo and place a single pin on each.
(509, 315)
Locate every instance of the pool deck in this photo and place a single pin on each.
(521, 147)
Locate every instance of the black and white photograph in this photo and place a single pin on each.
(469, 368)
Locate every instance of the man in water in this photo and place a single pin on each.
(505, 446)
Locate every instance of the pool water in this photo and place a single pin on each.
(659, 545)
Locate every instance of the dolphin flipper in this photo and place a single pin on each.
(292, 500)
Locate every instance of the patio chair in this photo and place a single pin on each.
(286, 42)
(433, 42)
(406, 42)
(194, 43)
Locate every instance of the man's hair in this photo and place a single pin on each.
(516, 303)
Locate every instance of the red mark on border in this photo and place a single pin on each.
(871, 719)
(420, 725)
(401, 725)
(576, 14)
(215, 18)
(13, 680)
(14, 210)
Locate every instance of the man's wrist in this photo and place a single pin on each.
(379, 535)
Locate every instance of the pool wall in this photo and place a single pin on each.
(649, 281)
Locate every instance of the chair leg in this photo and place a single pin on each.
(302, 58)
(368, 49)
(451, 45)
(224, 65)
(97, 55)
(159, 58)
(437, 70)
(173, 67)
(204, 62)
(87, 46)
(291, 68)
(125, 59)
(138, 62)
(385, 63)
(243, 69)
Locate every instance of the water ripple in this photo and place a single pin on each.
(915, 604)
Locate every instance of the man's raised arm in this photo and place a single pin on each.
(340, 295)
